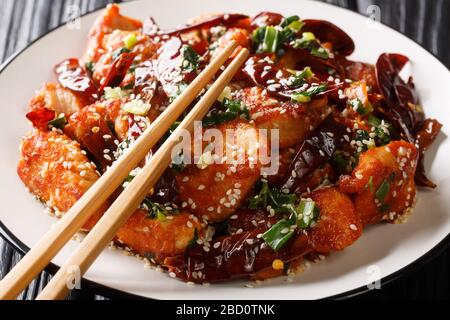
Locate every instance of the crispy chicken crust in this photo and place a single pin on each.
(393, 165)
(54, 168)
(215, 191)
(90, 128)
(57, 98)
(339, 224)
(295, 121)
(159, 239)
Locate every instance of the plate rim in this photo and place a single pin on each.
(114, 293)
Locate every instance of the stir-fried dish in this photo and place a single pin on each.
(350, 152)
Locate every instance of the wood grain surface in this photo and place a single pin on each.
(425, 21)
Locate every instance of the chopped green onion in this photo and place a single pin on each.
(270, 43)
(130, 41)
(115, 93)
(193, 241)
(267, 196)
(305, 96)
(289, 20)
(58, 123)
(89, 66)
(301, 97)
(138, 107)
(320, 52)
(369, 184)
(118, 52)
(298, 79)
(382, 191)
(156, 210)
(308, 36)
(303, 217)
(190, 59)
(307, 214)
(277, 236)
(233, 109)
(339, 162)
(373, 121)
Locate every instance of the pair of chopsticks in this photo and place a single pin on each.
(127, 202)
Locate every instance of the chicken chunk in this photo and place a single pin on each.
(90, 128)
(57, 98)
(241, 36)
(383, 182)
(159, 239)
(215, 191)
(339, 224)
(110, 20)
(295, 121)
(56, 170)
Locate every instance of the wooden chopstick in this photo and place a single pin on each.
(51, 243)
(105, 229)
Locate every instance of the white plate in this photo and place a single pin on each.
(388, 247)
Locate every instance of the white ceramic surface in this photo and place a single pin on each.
(389, 247)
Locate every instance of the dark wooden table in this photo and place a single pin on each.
(426, 21)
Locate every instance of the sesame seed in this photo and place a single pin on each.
(216, 245)
(353, 227)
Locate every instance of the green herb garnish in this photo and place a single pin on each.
(303, 216)
(272, 197)
(232, 110)
(277, 236)
(118, 52)
(156, 210)
(89, 66)
(190, 59)
(382, 191)
(271, 38)
(57, 123)
(307, 213)
(306, 96)
(339, 162)
(308, 41)
(193, 241)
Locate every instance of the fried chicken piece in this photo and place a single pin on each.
(215, 191)
(158, 239)
(55, 169)
(110, 20)
(383, 182)
(57, 98)
(339, 224)
(294, 120)
(90, 128)
(241, 36)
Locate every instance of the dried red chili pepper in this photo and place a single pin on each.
(40, 117)
(236, 256)
(73, 77)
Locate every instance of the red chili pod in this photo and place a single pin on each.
(118, 70)
(264, 73)
(73, 77)
(227, 20)
(266, 18)
(424, 138)
(400, 96)
(313, 152)
(40, 117)
(326, 31)
(237, 256)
